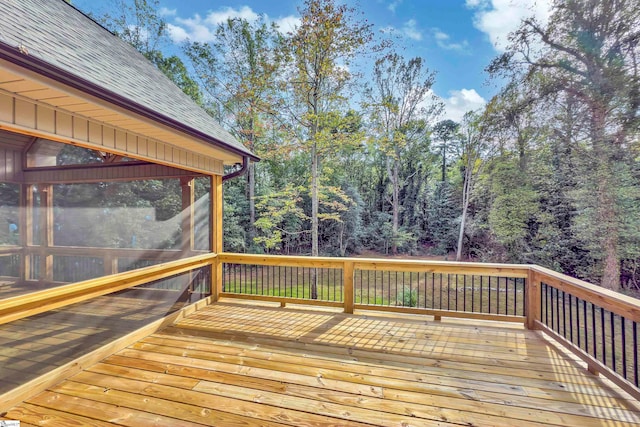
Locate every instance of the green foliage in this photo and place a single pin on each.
(407, 297)
(280, 215)
(443, 213)
(511, 214)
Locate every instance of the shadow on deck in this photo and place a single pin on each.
(240, 364)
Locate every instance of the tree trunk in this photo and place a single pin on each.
(314, 216)
(251, 190)
(606, 214)
(396, 206)
(393, 170)
(466, 189)
(444, 162)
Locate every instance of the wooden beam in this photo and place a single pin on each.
(532, 301)
(46, 231)
(216, 233)
(188, 213)
(347, 280)
(123, 171)
(25, 228)
(442, 313)
(282, 300)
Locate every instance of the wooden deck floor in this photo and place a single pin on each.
(236, 364)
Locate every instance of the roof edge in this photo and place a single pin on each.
(39, 66)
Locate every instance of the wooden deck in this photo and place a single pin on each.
(236, 364)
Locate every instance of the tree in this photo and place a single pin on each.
(400, 104)
(237, 71)
(446, 132)
(472, 145)
(141, 25)
(321, 49)
(589, 50)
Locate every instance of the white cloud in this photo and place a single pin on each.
(288, 23)
(167, 12)
(461, 101)
(443, 40)
(245, 12)
(394, 5)
(194, 29)
(199, 29)
(177, 34)
(410, 29)
(497, 18)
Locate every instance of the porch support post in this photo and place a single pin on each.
(46, 232)
(216, 234)
(25, 229)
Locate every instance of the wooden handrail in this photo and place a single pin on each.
(10, 250)
(22, 306)
(97, 252)
(511, 270)
(280, 260)
(612, 301)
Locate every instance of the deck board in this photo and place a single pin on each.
(237, 364)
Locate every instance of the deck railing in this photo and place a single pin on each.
(10, 261)
(71, 264)
(193, 274)
(598, 325)
(471, 290)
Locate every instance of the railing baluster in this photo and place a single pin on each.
(515, 296)
(481, 303)
(593, 328)
(489, 291)
(635, 353)
(571, 317)
(497, 295)
(551, 304)
(613, 342)
(602, 331)
(473, 292)
(564, 315)
(624, 346)
(586, 322)
(506, 296)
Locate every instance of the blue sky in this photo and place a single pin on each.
(456, 38)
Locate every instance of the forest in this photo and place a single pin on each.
(357, 158)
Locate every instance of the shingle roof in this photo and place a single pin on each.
(58, 34)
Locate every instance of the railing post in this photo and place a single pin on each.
(348, 296)
(216, 278)
(46, 232)
(532, 298)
